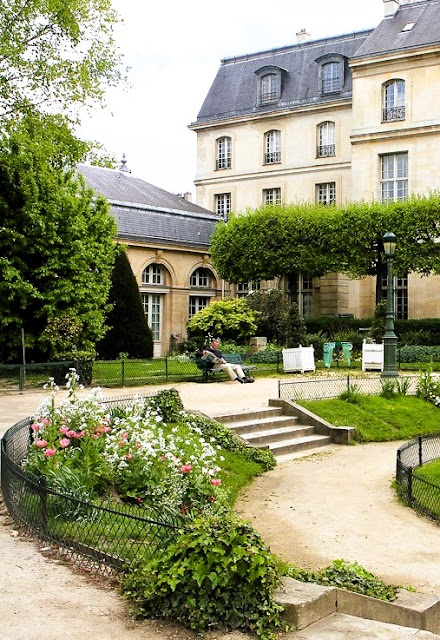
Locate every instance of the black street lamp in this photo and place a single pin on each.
(390, 339)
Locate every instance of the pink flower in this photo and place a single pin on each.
(35, 427)
(64, 430)
(44, 421)
(129, 457)
(40, 443)
(64, 442)
(50, 452)
(185, 468)
(216, 481)
(69, 433)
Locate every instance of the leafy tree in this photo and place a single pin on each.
(273, 311)
(129, 331)
(229, 319)
(56, 244)
(276, 241)
(56, 55)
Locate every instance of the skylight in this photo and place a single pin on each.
(408, 26)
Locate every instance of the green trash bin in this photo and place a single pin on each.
(328, 354)
(346, 352)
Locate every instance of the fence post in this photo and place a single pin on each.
(279, 387)
(348, 382)
(43, 503)
(21, 378)
(410, 479)
(420, 451)
(278, 364)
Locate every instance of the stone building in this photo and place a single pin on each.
(339, 119)
(167, 239)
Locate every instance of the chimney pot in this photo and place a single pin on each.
(302, 36)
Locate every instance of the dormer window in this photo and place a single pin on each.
(269, 84)
(331, 73)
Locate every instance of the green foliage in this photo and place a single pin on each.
(419, 354)
(347, 575)
(271, 354)
(218, 575)
(296, 327)
(428, 387)
(391, 388)
(273, 314)
(379, 321)
(167, 404)
(56, 55)
(418, 331)
(352, 394)
(128, 329)
(230, 318)
(56, 242)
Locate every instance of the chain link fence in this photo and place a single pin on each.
(320, 388)
(103, 536)
(418, 491)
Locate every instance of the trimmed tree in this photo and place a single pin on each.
(229, 319)
(128, 329)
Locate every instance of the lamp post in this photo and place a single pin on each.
(390, 339)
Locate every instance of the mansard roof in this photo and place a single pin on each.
(234, 91)
(389, 36)
(146, 213)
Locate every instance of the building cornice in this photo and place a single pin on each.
(385, 57)
(391, 134)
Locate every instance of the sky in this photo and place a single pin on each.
(173, 50)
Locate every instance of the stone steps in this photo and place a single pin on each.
(270, 429)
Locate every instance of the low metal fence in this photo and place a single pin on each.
(332, 387)
(112, 373)
(418, 491)
(105, 537)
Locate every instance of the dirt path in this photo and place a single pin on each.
(341, 505)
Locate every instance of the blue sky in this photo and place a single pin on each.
(174, 50)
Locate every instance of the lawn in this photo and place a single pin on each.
(379, 419)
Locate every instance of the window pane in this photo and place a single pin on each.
(330, 77)
(269, 87)
(394, 176)
(223, 204)
(223, 153)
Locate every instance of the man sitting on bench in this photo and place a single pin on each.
(234, 371)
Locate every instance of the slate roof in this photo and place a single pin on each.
(388, 36)
(234, 90)
(146, 213)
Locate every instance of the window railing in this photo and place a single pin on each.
(325, 150)
(393, 113)
(269, 96)
(223, 163)
(272, 157)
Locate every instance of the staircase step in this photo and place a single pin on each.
(298, 444)
(263, 424)
(248, 415)
(258, 438)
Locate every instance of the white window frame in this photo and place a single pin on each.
(153, 304)
(196, 304)
(272, 196)
(326, 193)
(272, 147)
(223, 153)
(394, 176)
(270, 88)
(331, 77)
(393, 101)
(326, 133)
(152, 274)
(200, 278)
(243, 289)
(222, 204)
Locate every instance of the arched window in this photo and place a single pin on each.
(393, 101)
(223, 153)
(272, 147)
(200, 278)
(152, 274)
(325, 140)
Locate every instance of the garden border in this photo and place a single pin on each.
(38, 509)
(418, 492)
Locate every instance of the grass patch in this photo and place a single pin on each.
(378, 419)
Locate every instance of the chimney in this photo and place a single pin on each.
(390, 7)
(302, 36)
(186, 196)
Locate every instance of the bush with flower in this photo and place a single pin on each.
(428, 387)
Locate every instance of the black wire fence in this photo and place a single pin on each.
(105, 537)
(333, 387)
(114, 373)
(418, 490)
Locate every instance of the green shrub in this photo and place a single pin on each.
(346, 575)
(352, 394)
(218, 575)
(317, 340)
(412, 353)
(271, 355)
(167, 403)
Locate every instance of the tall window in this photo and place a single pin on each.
(224, 152)
(152, 274)
(272, 147)
(393, 101)
(301, 289)
(196, 304)
(326, 193)
(400, 295)
(245, 288)
(152, 303)
(326, 140)
(272, 196)
(223, 205)
(331, 77)
(200, 278)
(394, 176)
(269, 88)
